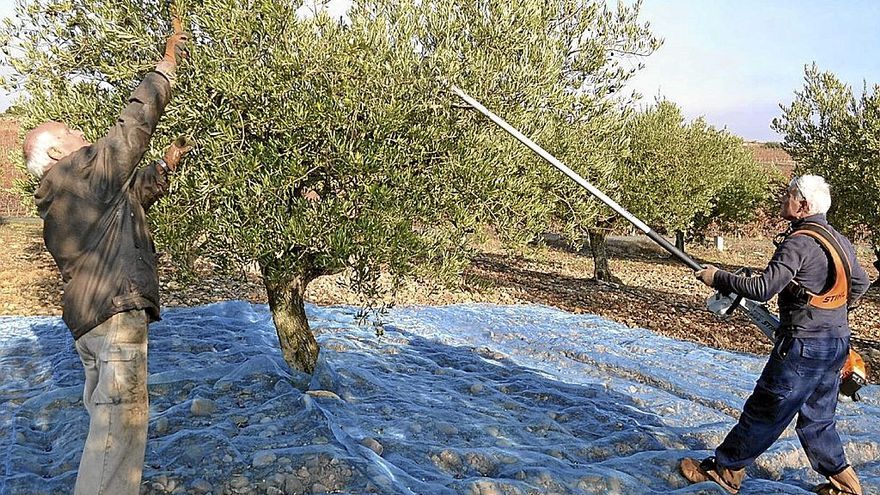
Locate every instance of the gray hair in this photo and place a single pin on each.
(36, 150)
(814, 190)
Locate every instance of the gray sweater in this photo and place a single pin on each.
(802, 259)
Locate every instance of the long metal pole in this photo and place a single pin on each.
(684, 258)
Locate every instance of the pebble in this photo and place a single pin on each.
(193, 454)
(263, 458)
(324, 393)
(484, 487)
(203, 407)
(476, 388)
(292, 484)
(269, 432)
(239, 481)
(450, 459)
(162, 425)
(160, 483)
(171, 485)
(446, 428)
(481, 464)
(372, 444)
(201, 486)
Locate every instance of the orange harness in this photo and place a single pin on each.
(853, 375)
(839, 293)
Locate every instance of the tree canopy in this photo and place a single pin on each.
(333, 144)
(680, 175)
(831, 132)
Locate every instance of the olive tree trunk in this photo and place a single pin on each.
(679, 240)
(601, 269)
(876, 283)
(298, 345)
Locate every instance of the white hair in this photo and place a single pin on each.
(814, 190)
(37, 156)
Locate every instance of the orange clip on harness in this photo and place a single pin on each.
(853, 375)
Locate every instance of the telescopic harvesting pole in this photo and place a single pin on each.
(654, 236)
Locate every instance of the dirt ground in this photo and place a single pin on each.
(657, 292)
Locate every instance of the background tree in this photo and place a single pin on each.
(593, 147)
(751, 191)
(681, 175)
(601, 49)
(830, 132)
(330, 145)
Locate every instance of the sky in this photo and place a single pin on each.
(735, 61)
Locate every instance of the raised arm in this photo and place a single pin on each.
(786, 261)
(122, 148)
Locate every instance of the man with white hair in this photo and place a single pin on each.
(93, 200)
(818, 278)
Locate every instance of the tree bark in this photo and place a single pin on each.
(298, 345)
(876, 283)
(601, 269)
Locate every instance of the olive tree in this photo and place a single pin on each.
(833, 133)
(583, 125)
(330, 145)
(680, 175)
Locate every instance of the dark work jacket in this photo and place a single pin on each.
(802, 259)
(93, 203)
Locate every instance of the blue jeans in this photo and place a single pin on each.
(802, 377)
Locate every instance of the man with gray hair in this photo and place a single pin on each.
(818, 278)
(93, 200)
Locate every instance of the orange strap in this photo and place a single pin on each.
(838, 294)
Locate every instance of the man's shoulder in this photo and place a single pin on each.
(77, 160)
(841, 238)
(798, 241)
(797, 246)
(67, 173)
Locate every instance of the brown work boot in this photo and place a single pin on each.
(843, 483)
(707, 470)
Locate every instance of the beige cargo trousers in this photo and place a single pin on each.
(114, 355)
